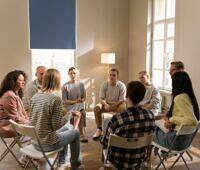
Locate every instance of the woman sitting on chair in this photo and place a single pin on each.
(11, 106)
(74, 95)
(184, 110)
(47, 117)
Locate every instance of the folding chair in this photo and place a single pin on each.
(9, 148)
(126, 143)
(29, 150)
(168, 152)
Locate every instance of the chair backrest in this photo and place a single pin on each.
(24, 129)
(188, 129)
(130, 143)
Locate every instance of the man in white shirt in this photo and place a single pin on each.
(112, 99)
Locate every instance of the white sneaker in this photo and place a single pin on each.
(97, 134)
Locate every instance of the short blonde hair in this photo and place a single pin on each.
(51, 80)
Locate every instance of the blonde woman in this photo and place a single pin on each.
(47, 117)
(74, 95)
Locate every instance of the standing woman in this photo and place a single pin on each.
(74, 95)
(184, 110)
(47, 117)
(11, 106)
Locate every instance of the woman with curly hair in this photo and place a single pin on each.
(11, 106)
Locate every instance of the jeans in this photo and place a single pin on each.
(166, 139)
(68, 135)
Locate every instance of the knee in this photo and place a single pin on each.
(97, 109)
(76, 133)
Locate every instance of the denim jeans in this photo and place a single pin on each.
(166, 139)
(68, 135)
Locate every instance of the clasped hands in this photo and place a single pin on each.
(167, 124)
(106, 106)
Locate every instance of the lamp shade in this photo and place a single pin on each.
(107, 58)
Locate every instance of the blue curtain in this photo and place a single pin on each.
(52, 24)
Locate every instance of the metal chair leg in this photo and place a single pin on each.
(184, 161)
(7, 150)
(189, 155)
(175, 161)
(10, 150)
(161, 162)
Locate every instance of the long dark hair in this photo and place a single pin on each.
(181, 83)
(9, 82)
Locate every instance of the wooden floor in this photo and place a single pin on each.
(91, 153)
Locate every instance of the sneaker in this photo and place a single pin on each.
(97, 134)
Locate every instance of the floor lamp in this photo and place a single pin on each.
(107, 58)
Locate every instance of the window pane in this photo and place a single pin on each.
(171, 8)
(59, 59)
(168, 80)
(168, 60)
(159, 10)
(170, 29)
(157, 78)
(170, 46)
(158, 31)
(158, 54)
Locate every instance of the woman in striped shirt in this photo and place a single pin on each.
(47, 117)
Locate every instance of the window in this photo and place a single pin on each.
(53, 34)
(162, 41)
(59, 59)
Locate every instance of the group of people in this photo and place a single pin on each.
(59, 117)
(43, 107)
(140, 117)
(113, 95)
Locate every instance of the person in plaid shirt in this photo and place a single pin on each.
(134, 122)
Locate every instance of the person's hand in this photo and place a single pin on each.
(79, 100)
(168, 125)
(76, 113)
(103, 102)
(107, 107)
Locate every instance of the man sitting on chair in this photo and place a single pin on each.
(152, 98)
(112, 99)
(134, 122)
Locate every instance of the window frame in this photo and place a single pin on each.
(165, 39)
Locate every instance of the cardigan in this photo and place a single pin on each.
(11, 107)
(183, 112)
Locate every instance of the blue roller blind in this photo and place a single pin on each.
(52, 24)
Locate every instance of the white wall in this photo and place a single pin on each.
(13, 36)
(187, 39)
(137, 37)
(102, 26)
